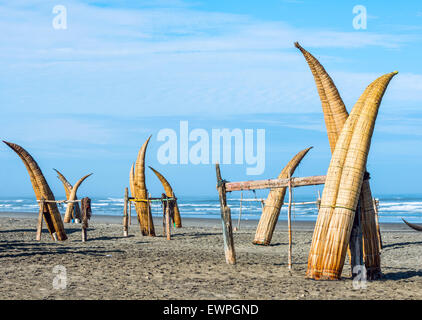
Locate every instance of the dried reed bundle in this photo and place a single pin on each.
(169, 193)
(274, 202)
(412, 225)
(142, 208)
(343, 185)
(72, 197)
(335, 115)
(132, 180)
(67, 189)
(41, 188)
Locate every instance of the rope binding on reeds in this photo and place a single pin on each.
(152, 199)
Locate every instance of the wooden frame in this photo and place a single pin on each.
(224, 186)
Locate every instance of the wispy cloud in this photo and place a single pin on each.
(168, 57)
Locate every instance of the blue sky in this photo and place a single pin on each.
(84, 99)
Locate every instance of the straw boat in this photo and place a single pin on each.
(274, 202)
(42, 190)
(140, 192)
(413, 226)
(335, 115)
(67, 189)
(343, 185)
(72, 197)
(169, 193)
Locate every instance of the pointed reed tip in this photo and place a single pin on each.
(395, 72)
(147, 141)
(297, 45)
(9, 144)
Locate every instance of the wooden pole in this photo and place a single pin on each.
(226, 220)
(130, 212)
(164, 204)
(377, 223)
(125, 215)
(84, 234)
(274, 183)
(84, 220)
(168, 222)
(86, 214)
(40, 219)
(319, 200)
(149, 213)
(355, 242)
(289, 224)
(240, 211)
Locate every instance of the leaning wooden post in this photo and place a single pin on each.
(289, 224)
(86, 215)
(84, 223)
(125, 217)
(240, 211)
(318, 200)
(130, 212)
(355, 243)
(40, 218)
(168, 218)
(225, 219)
(375, 202)
(149, 212)
(164, 204)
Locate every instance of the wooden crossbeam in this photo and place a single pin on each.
(274, 183)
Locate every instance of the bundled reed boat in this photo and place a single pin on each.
(274, 202)
(72, 198)
(412, 225)
(42, 191)
(67, 189)
(343, 185)
(139, 191)
(170, 194)
(335, 115)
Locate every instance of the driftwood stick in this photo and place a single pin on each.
(274, 183)
(164, 204)
(225, 219)
(377, 223)
(168, 220)
(130, 212)
(149, 213)
(86, 215)
(240, 211)
(125, 215)
(40, 219)
(84, 234)
(289, 224)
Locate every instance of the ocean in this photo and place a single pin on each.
(391, 208)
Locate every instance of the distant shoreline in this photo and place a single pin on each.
(205, 222)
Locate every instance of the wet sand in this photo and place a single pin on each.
(190, 266)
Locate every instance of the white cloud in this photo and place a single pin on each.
(171, 61)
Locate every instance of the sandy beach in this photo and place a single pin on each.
(190, 266)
